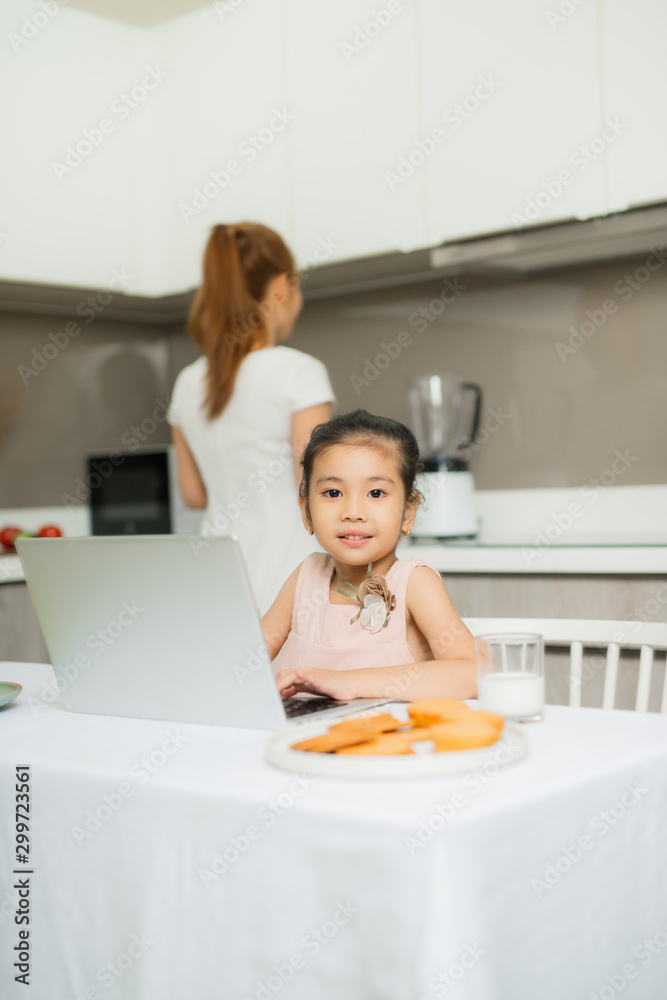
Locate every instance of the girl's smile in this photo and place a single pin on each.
(354, 539)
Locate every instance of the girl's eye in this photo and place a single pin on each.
(331, 492)
(376, 494)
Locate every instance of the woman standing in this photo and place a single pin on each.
(242, 414)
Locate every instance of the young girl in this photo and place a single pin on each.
(334, 631)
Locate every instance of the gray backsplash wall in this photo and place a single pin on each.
(552, 416)
(88, 394)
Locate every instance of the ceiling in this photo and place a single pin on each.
(142, 13)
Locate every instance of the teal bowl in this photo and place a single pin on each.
(8, 692)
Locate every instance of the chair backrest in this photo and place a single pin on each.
(647, 637)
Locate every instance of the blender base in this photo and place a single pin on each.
(448, 509)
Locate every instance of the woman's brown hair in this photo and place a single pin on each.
(228, 316)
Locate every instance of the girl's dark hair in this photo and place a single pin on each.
(362, 427)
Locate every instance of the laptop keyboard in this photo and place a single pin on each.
(294, 707)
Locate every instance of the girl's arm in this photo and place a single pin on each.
(277, 621)
(450, 675)
(189, 478)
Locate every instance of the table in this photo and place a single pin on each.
(170, 861)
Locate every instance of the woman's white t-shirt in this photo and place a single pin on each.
(245, 458)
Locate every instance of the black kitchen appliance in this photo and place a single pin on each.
(130, 492)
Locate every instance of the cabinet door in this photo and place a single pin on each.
(352, 78)
(514, 86)
(66, 171)
(634, 64)
(231, 123)
(154, 138)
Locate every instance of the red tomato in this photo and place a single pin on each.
(8, 534)
(49, 531)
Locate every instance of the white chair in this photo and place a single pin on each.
(647, 637)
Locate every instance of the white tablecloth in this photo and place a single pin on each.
(172, 863)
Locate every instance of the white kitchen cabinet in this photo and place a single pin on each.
(352, 87)
(67, 171)
(516, 95)
(154, 136)
(633, 69)
(215, 82)
(230, 126)
(354, 128)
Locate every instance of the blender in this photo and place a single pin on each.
(444, 416)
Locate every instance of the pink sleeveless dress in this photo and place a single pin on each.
(321, 634)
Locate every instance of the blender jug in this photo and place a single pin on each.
(444, 414)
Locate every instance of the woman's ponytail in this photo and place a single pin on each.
(228, 315)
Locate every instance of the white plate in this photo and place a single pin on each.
(513, 745)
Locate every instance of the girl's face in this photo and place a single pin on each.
(357, 503)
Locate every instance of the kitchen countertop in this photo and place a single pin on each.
(580, 559)
(623, 560)
(73, 520)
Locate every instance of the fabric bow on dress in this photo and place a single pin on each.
(377, 601)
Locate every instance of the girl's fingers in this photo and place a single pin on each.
(285, 680)
(318, 681)
(307, 683)
(290, 682)
(311, 680)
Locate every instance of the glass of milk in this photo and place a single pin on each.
(510, 675)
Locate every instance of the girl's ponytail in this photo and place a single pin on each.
(228, 315)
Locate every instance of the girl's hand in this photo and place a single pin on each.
(338, 684)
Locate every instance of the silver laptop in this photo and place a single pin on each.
(159, 627)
